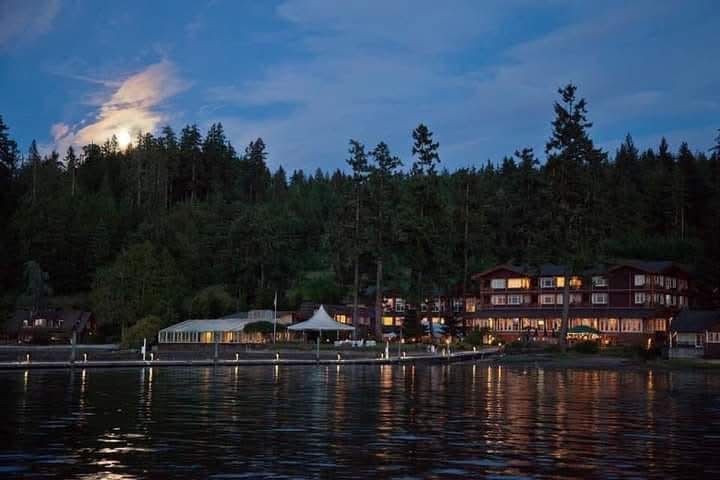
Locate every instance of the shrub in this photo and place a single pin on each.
(146, 327)
(587, 346)
(515, 347)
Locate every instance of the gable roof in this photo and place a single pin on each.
(658, 266)
(696, 321)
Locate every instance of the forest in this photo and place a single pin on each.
(181, 224)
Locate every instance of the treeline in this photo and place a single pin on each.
(184, 225)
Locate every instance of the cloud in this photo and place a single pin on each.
(482, 81)
(133, 107)
(22, 20)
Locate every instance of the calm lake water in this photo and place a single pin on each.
(458, 421)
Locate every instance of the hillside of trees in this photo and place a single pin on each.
(181, 224)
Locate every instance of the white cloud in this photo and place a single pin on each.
(133, 107)
(23, 20)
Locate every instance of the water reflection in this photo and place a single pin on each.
(465, 421)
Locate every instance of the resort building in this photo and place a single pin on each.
(54, 326)
(695, 333)
(630, 302)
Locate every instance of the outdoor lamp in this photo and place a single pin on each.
(237, 357)
(277, 356)
(27, 358)
(339, 357)
(85, 357)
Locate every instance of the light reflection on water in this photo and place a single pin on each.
(458, 421)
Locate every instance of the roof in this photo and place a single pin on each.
(505, 266)
(307, 309)
(696, 321)
(658, 266)
(320, 321)
(214, 325)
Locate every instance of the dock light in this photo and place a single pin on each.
(27, 358)
(237, 357)
(84, 357)
(339, 357)
(152, 356)
(474, 349)
(404, 355)
(277, 356)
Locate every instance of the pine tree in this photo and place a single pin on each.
(359, 164)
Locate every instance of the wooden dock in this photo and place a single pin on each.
(480, 354)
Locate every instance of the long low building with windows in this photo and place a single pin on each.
(229, 329)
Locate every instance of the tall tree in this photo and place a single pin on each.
(383, 172)
(573, 238)
(359, 164)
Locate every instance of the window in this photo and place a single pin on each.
(713, 337)
(514, 299)
(437, 306)
(470, 304)
(608, 325)
(560, 282)
(640, 298)
(575, 298)
(547, 299)
(639, 280)
(655, 325)
(387, 321)
(547, 282)
(497, 283)
(387, 304)
(599, 298)
(518, 283)
(457, 304)
(575, 282)
(498, 299)
(341, 318)
(508, 324)
(668, 282)
(400, 305)
(631, 325)
(39, 322)
(599, 281)
(423, 307)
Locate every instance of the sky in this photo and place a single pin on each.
(308, 75)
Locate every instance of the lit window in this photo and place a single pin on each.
(470, 305)
(639, 280)
(497, 283)
(547, 299)
(599, 281)
(387, 321)
(514, 299)
(547, 282)
(498, 299)
(341, 318)
(518, 283)
(599, 298)
(575, 282)
(559, 282)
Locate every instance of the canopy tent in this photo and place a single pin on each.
(319, 322)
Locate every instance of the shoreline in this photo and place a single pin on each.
(607, 362)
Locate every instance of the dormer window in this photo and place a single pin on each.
(547, 282)
(498, 283)
(599, 281)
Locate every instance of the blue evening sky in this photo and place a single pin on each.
(307, 75)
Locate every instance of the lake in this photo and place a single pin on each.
(470, 420)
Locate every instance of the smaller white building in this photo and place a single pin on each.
(230, 329)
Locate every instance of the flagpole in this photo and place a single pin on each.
(275, 319)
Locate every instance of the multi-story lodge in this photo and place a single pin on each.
(626, 302)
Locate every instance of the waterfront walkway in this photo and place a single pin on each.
(480, 354)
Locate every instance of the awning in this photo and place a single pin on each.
(320, 321)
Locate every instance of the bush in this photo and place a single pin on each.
(262, 326)
(587, 346)
(146, 327)
(474, 338)
(515, 347)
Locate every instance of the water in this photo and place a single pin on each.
(457, 421)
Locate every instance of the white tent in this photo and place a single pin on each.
(319, 322)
